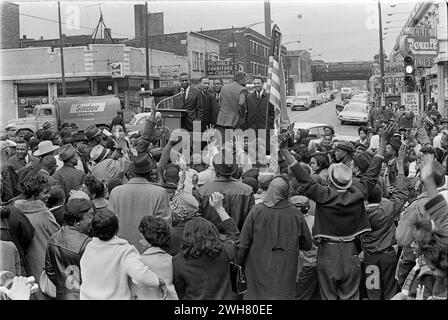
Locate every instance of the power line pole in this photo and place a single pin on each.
(233, 49)
(64, 91)
(381, 50)
(146, 42)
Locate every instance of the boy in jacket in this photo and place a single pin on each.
(380, 258)
(340, 217)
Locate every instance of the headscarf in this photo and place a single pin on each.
(278, 190)
(184, 206)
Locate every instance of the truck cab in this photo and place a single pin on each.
(42, 113)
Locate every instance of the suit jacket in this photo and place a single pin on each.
(214, 110)
(231, 114)
(193, 104)
(207, 104)
(256, 112)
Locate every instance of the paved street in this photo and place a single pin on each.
(325, 113)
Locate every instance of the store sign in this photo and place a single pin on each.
(169, 77)
(87, 107)
(411, 101)
(117, 69)
(422, 44)
(388, 80)
(219, 68)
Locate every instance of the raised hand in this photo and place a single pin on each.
(389, 131)
(216, 199)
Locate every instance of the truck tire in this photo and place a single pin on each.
(23, 132)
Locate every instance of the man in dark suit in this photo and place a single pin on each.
(186, 96)
(118, 120)
(207, 101)
(215, 93)
(257, 105)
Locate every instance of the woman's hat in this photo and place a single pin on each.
(98, 153)
(67, 151)
(340, 176)
(45, 147)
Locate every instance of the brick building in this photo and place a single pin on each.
(32, 76)
(249, 48)
(196, 46)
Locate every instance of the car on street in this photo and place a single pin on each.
(137, 123)
(346, 93)
(354, 113)
(289, 100)
(316, 132)
(301, 103)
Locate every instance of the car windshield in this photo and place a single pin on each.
(299, 99)
(354, 107)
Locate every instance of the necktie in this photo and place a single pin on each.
(183, 96)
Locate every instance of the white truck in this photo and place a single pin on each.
(307, 89)
(83, 111)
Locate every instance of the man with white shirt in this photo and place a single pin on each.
(21, 158)
(185, 97)
(257, 107)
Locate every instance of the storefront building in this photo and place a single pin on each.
(32, 76)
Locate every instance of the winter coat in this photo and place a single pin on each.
(45, 226)
(238, 200)
(381, 216)
(134, 200)
(207, 278)
(107, 267)
(69, 178)
(17, 228)
(160, 262)
(269, 249)
(64, 251)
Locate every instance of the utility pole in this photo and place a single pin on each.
(233, 50)
(267, 18)
(146, 42)
(381, 50)
(64, 91)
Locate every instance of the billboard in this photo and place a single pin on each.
(220, 68)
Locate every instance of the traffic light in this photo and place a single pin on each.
(409, 72)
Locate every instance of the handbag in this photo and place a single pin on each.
(237, 276)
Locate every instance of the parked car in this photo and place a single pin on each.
(354, 113)
(137, 123)
(289, 100)
(301, 103)
(316, 132)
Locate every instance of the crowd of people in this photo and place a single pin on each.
(91, 215)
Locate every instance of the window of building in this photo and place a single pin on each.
(201, 62)
(195, 56)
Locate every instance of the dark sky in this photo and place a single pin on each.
(336, 30)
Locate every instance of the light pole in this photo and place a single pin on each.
(146, 43)
(64, 91)
(381, 50)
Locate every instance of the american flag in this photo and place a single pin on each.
(276, 82)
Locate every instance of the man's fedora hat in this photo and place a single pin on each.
(92, 131)
(98, 153)
(67, 151)
(340, 176)
(45, 147)
(142, 163)
(344, 145)
(224, 163)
